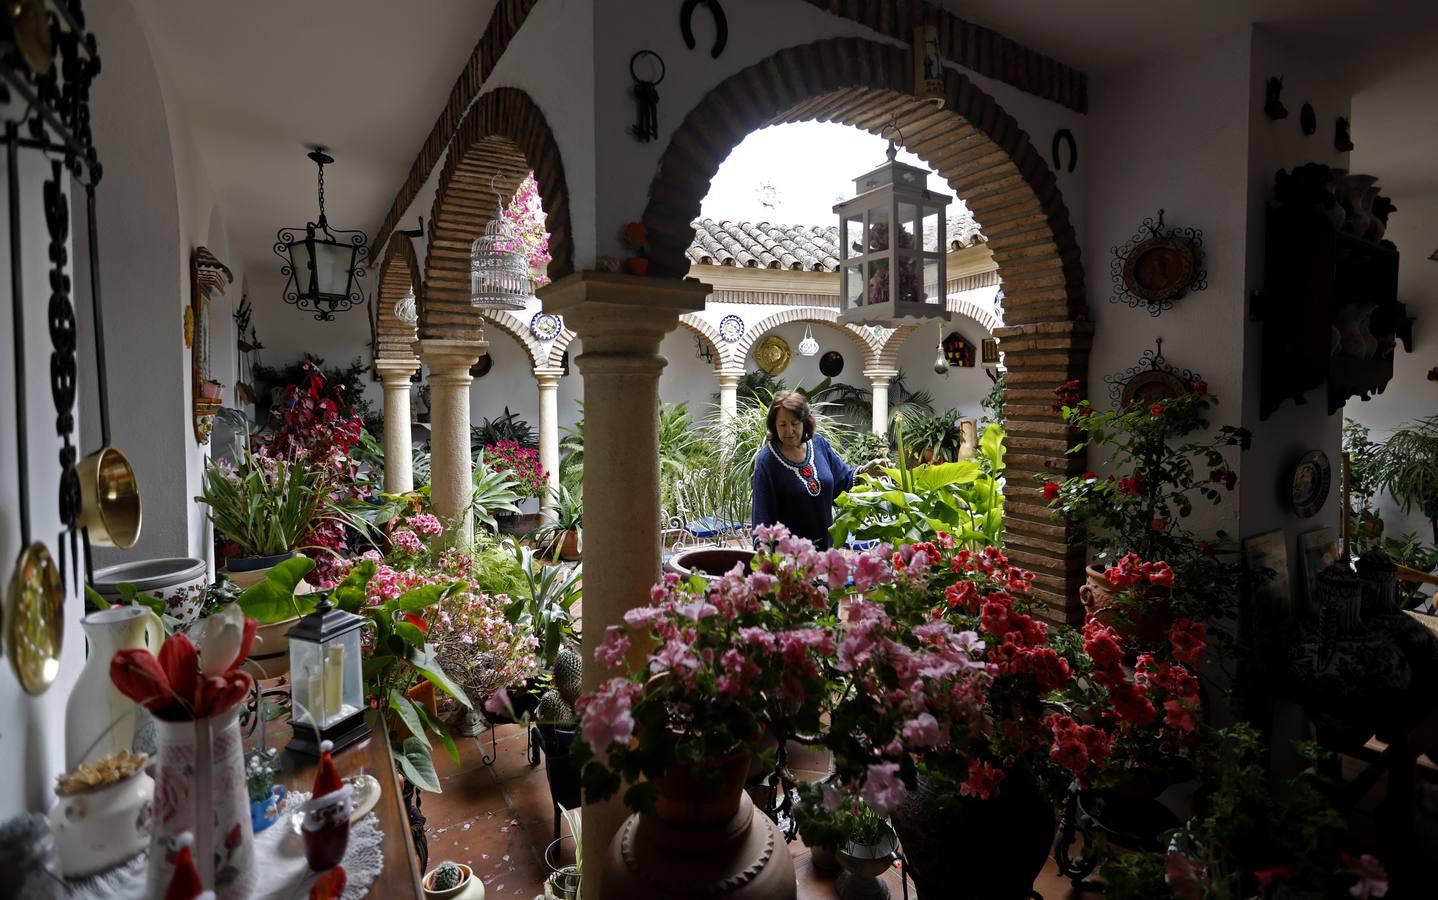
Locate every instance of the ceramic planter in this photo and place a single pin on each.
(179, 581)
(709, 562)
(864, 865)
(465, 882)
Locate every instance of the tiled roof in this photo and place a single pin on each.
(806, 248)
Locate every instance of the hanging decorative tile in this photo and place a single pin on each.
(546, 326)
(731, 329)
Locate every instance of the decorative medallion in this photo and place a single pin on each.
(773, 354)
(1150, 381)
(1312, 478)
(1158, 266)
(831, 364)
(546, 326)
(731, 329)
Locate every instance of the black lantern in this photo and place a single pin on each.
(323, 266)
(892, 247)
(327, 701)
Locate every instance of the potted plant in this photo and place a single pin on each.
(1163, 460)
(865, 855)
(521, 464)
(560, 537)
(1407, 468)
(264, 507)
(277, 603)
(447, 880)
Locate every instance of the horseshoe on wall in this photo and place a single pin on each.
(1064, 136)
(721, 24)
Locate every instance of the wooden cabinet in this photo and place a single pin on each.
(1329, 308)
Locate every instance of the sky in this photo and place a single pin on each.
(794, 174)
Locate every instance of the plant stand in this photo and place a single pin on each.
(1134, 824)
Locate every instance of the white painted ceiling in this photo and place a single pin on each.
(258, 80)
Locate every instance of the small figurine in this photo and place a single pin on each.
(326, 827)
(185, 883)
(1273, 106)
(1342, 141)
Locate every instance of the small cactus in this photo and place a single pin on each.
(552, 709)
(447, 876)
(569, 675)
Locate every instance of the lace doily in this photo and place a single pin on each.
(281, 871)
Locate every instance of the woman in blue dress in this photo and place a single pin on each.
(797, 474)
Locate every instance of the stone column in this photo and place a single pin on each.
(548, 379)
(879, 388)
(398, 444)
(621, 320)
(728, 391)
(451, 475)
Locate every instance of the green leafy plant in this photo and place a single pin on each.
(993, 402)
(916, 503)
(863, 446)
(400, 655)
(571, 454)
(1365, 523)
(272, 598)
(1407, 468)
(545, 604)
(495, 491)
(936, 438)
(507, 426)
(264, 505)
(850, 819)
(567, 516)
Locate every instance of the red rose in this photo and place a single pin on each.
(1131, 704)
(1070, 753)
(1101, 643)
(1156, 409)
(1090, 476)
(1156, 525)
(1051, 491)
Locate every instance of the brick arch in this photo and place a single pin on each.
(518, 328)
(989, 161)
(398, 273)
(868, 345)
(706, 332)
(503, 137)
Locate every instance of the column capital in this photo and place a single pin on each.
(729, 377)
(396, 371)
(624, 314)
(548, 376)
(880, 374)
(443, 353)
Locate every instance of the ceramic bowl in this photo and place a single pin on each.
(449, 893)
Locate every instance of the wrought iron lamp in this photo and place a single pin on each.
(498, 266)
(892, 247)
(326, 680)
(323, 265)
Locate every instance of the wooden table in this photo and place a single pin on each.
(401, 876)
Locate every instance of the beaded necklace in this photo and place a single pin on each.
(803, 471)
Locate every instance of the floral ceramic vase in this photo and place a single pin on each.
(972, 849)
(200, 788)
(1349, 677)
(697, 843)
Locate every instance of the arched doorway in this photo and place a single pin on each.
(988, 161)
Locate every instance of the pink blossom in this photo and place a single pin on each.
(870, 570)
(425, 524)
(406, 542)
(1372, 876)
(675, 656)
(605, 716)
(769, 534)
(922, 731)
(613, 651)
(882, 788)
(699, 609)
(642, 616)
(762, 583)
(833, 567)
(498, 704)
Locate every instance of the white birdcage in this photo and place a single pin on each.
(498, 267)
(405, 309)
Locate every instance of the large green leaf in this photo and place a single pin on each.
(349, 595)
(410, 632)
(273, 599)
(438, 727)
(992, 446)
(423, 597)
(424, 662)
(417, 765)
(408, 714)
(931, 478)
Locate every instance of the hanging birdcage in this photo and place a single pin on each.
(405, 309)
(808, 346)
(498, 267)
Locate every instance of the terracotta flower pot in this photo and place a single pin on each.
(699, 843)
(1138, 627)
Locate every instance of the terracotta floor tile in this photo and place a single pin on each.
(529, 798)
(469, 757)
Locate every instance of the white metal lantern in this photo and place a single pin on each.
(884, 280)
(498, 267)
(405, 309)
(327, 700)
(808, 346)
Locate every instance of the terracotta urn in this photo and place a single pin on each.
(1143, 626)
(700, 843)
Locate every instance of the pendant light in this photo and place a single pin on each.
(322, 265)
(941, 362)
(808, 346)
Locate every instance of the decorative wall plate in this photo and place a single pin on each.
(773, 354)
(731, 329)
(1158, 266)
(1312, 478)
(831, 364)
(546, 326)
(1150, 381)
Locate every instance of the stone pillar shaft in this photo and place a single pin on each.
(621, 320)
(395, 374)
(548, 379)
(879, 390)
(451, 475)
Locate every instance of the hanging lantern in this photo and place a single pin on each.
(326, 680)
(892, 247)
(498, 267)
(405, 309)
(323, 266)
(808, 346)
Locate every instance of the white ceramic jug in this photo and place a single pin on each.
(97, 829)
(100, 720)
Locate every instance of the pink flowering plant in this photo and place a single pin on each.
(732, 661)
(521, 463)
